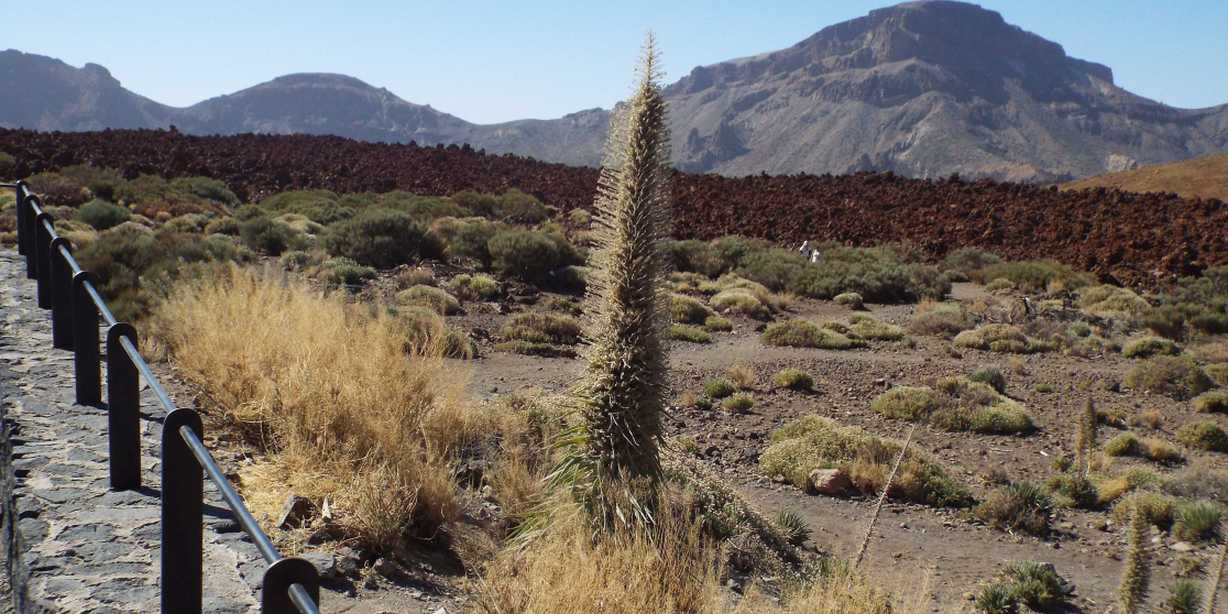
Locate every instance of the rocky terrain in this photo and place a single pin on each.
(1133, 238)
(923, 89)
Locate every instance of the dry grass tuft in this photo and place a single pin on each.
(742, 375)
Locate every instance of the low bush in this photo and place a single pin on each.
(1000, 338)
(739, 403)
(1196, 521)
(940, 319)
(866, 327)
(990, 376)
(1035, 584)
(742, 302)
(1203, 435)
(381, 238)
(999, 285)
(346, 272)
(852, 300)
(687, 310)
(968, 260)
(814, 442)
(1112, 301)
(1218, 373)
(1125, 444)
(800, 333)
(467, 238)
(1035, 276)
(717, 324)
(530, 255)
(266, 235)
(435, 299)
(223, 226)
(719, 388)
(1212, 401)
(1147, 347)
(955, 404)
(1172, 376)
(1073, 490)
(686, 332)
(538, 327)
(1185, 597)
(1017, 507)
(476, 287)
(692, 256)
(102, 215)
(793, 379)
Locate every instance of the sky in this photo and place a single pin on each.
(489, 61)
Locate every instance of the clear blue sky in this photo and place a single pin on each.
(492, 60)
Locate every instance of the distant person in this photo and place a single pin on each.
(814, 256)
(804, 250)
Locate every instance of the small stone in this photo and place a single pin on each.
(294, 512)
(441, 610)
(1182, 547)
(830, 482)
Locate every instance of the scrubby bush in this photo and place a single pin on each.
(687, 310)
(1035, 584)
(1073, 490)
(719, 388)
(1185, 597)
(523, 208)
(206, 188)
(687, 332)
(1147, 347)
(1212, 401)
(382, 239)
(102, 215)
(466, 238)
(694, 257)
(320, 206)
(538, 327)
(739, 403)
(717, 324)
(940, 319)
(866, 327)
(1196, 521)
(800, 333)
(999, 285)
(1173, 376)
(223, 226)
(1017, 507)
(1112, 301)
(1034, 276)
(955, 404)
(1203, 435)
(990, 376)
(430, 297)
(740, 301)
(1125, 444)
(345, 271)
(1218, 373)
(793, 379)
(1000, 338)
(266, 235)
(852, 300)
(927, 282)
(530, 255)
(297, 260)
(968, 260)
(476, 287)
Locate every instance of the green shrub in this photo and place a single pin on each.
(1147, 347)
(999, 284)
(1173, 376)
(319, 206)
(990, 376)
(297, 260)
(382, 239)
(906, 402)
(1073, 490)
(102, 215)
(687, 310)
(1035, 584)
(996, 598)
(523, 208)
(476, 287)
(266, 235)
(955, 404)
(719, 388)
(436, 299)
(1017, 507)
(793, 379)
(344, 271)
(206, 188)
(1196, 521)
(793, 526)
(1125, 444)
(223, 226)
(467, 238)
(852, 300)
(532, 348)
(1112, 301)
(1034, 276)
(800, 333)
(1212, 401)
(1203, 435)
(968, 260)
(1166, 321)
(695, 257)
(1218, 373)
(538, 327)
(686, 332)
(1185, 597)
(927, 282)
(717, 324)
(423, 208)
(1156, 508)
(940, 319)
(740, 301)
(999, 338)
(530, 255)
(739, 403)
(867, 327)
(7, 165)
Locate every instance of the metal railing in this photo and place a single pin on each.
(289, 584)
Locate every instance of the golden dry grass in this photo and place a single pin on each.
(742, 375)
(330, 391)
(1205, 177)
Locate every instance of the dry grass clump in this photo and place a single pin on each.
(1146, 347)
(542, 327)
(1212, 351)
(801, 333)
(955, 404)
(1000, 338)
(717, 324)
(814, 442)
(742, 375)
(739, 403)
(1177, 377)
(1158, 450)
(329, 391)
(940, 319)
(431, 297)
(686, 332)
(1212, 401)
(1112, 301)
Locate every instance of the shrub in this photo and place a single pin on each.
(1172, 376)
(540, 327)
(188, 222)
(206, 188)
(1035, 584)
(424, 208)
(1212, 401)
(436, 299)
(906, 402)
(686, 332)
(347, 272)
(1203, 435)
(742, 375)
(529, 255)
(867, 327)
(990, 376)
(523, 208)
(968, 260)
(999, 338)
(1125, 444)
(1034, 276)
(955, 404)
(715, 323)
(1147, 347)
(813, 442)
(1185, 597)
(695, 257)
(1196, 521)
(297, 260)
(381, 238)
(223, 226)
(1073, 490)
(476, 287)
(7, 164)
(996, 598)
(940, 319)
(800, 333)
(740, 301)
(102, 215)
(265, 235)
(466, 238)
(1112, 301)
(719, 388)
(320, 206)
(687, 310)
(927, 282)
(739, 403)
(1218, 373)
(794, 527)
(999, 285)
(852, 300)
(1018, 507)
(793, 379)
(1157, 509)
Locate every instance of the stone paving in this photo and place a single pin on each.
(71, 543)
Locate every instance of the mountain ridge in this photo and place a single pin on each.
(923, 89)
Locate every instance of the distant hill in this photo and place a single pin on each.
(1205, 177)
(923, 89)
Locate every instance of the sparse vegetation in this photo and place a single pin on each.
(1211, 402)
(739, 403)
(1203, 435)
(686, 332)
(1018, 507)
(1172, 376)
(793, 379)
(955, 404)
(801, 333)
(1147, 347)
(1000, 338)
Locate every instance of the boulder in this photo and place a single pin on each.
(830, 482)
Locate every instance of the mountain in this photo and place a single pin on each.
(1205, 177)
(924, 89)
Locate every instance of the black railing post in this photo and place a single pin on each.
(275, 587)
(61, 295)
(123, 410)
(22, 239)
(182, 502)
(31, 232)
(85, 341)
(42, 258)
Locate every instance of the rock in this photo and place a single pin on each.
(1182, 547)
(386, 567)
(294, 512)
(830, 482)
(325, 564)
(441, 610)
(348, 561)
